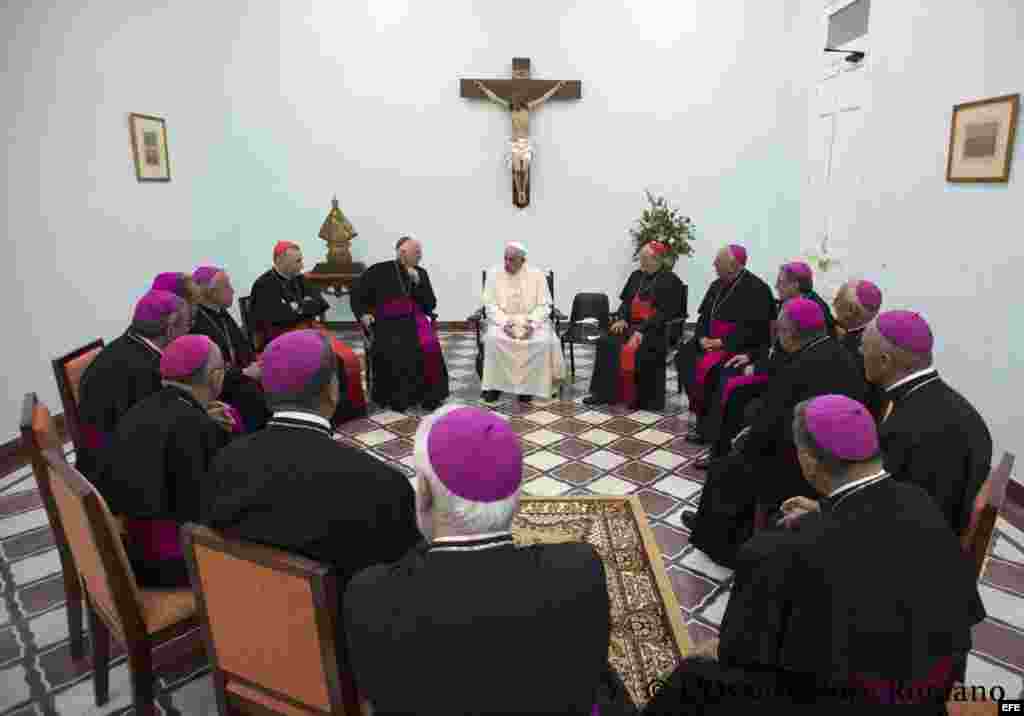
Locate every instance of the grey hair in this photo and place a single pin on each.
(463, 516)
(834, 465)
(308, 397)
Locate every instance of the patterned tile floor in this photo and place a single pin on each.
(569, 449)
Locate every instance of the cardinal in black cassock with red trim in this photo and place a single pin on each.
(630, 363)
(395, 303)
(282, 301)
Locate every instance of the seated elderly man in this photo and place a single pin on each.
(630, 363)
(764, 469)
(931, 435)
(857, 304)
(282, 301)
(159, 457)
(734, 317)
(870, 594)
(521, 630)
(522, 354)
(126, 371)
(294, 486)
(241, 380)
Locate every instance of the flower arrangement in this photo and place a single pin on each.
(661, 222)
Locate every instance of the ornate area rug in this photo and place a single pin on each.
(648, 638)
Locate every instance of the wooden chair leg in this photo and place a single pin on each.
(99, 635)
(140, 660)
(74, 607)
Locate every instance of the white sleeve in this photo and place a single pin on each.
(490, 300)
(542, 310)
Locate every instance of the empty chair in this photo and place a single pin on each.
(68, 370)
(976, 538)
(585, 306)
(269, 619)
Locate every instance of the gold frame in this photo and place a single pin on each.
(136, 123)
(1001, 164)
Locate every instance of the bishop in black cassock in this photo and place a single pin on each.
(764, 468)
(125, 371)
(521, 630)
(734, 317)
(159, 457)
(294, 486)
(857, 304)
(630, 362)
(744, 377)
(931, 436)
(282, 300)
(395, 303)
(241, 379)
(870, 592)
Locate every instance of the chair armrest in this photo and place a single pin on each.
(558, 315)
(477, 316)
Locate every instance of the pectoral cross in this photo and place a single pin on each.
(520, 95)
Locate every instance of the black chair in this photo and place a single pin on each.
(480, 316)
(584, 306)
(243, 308)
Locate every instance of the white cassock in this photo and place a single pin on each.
(526, 367)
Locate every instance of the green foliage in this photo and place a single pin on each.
(661, 222)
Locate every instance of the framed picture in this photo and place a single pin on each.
(149, 147)
(981, 140)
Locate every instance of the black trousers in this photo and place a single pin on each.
(724, 420)
(650, 370)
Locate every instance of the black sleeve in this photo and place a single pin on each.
(424, 293)
(755, 619)
(773, 427)
(189, 453)
(313, 302)
(362, 298)
(704, 314)
(668, 297)
(753, 330)
(268, 305)
(625, 298)
(396, 526)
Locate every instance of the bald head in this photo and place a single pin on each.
(726, 264)
(857, 303)
(409, 252)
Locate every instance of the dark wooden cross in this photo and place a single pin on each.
(520, 95)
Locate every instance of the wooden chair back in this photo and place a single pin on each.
(68, 370)
(94, 539)
(269, 619)
(975, 539)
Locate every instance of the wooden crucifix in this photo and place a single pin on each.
(519, 96)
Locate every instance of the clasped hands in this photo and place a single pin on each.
(741, 361)
(510, 330)
(619, 327)
(711, 344)
(794, 508)
(218, 411)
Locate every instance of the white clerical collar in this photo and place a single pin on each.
(850, 485)
(304, 417)
(858, 329)
(474, 543)
(279, 274)
(149, 343)
(911, 377)
(472, 538)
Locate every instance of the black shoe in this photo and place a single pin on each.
(689, 518)
(593, 400)
(703, 463)
(490, 396)
(525, 398)
(696, 438)
(431, 405)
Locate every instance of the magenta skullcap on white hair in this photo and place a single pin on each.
(474, 453)
(868, 295)
(184, 356)
(842, 426)
(804, 313)
(907, 330)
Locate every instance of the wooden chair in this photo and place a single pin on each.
(37, 434)
(269, 619)
(68, 370)
(975, 539)
(140, 619)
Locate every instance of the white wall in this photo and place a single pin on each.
(952, 252)
(273, 107)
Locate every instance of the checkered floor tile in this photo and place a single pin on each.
(569, 448)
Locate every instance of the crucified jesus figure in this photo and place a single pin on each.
(520, 152)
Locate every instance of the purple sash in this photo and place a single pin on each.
(156, 539)
(738, 382)
(719, 329)
(238, 426)
(407, 308)
(92, 437)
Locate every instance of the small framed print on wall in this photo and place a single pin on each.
(981, 140)
(149, 147)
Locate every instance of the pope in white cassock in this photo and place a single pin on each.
(522, 354)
